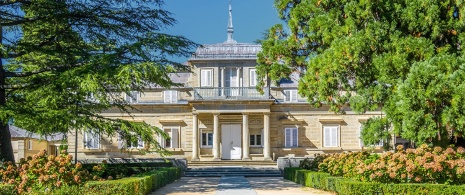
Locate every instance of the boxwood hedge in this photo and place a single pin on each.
(345, 186)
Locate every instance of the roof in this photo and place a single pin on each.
(22, 133)
(293, 81)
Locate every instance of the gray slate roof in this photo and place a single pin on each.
(22, 133)
(292, 82)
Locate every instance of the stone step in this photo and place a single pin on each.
(232, 171)
(232, 163)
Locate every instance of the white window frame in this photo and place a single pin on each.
(206, 77)
(290, 95)
(140, 143)
(293, 133)
(95, 136)
(332, 142)
(170, 96)
(253, 77)
(206, 132)
(174, 140)
(380, 143)
(29, 144)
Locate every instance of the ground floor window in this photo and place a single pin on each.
(256, 140)
(331, 136)
(91, 139)
(291, 137)
(172, 140)
(207, 139)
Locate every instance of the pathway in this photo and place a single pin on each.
(236, 185)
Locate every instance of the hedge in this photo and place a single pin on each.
(141, 184)
(7, 189)
(344, 186)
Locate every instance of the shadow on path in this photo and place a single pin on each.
(190, 186)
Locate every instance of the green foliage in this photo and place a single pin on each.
(43, 171)
(404, 58)
(421, 165)
(7, 189)
(312, 164)
(70, 60)
(139, 184)
(346, 186)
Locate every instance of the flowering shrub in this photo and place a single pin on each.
(42, 172)
(421, 165)
(312, 164)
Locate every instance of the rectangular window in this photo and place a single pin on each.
(132, 97)
(172, 141)
(331, 136)
(207, 139)
(91, 140)
(29, 144)
(256, 140)
(170, 96)
(206, 78)
(291, 137)
(135, 142)
(380, 143)
(252, 78)
(291, 95)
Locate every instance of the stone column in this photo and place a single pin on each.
(195, 138)
(266, 137)
(245, 137)
(216, 137)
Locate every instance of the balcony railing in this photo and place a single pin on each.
(230, 93)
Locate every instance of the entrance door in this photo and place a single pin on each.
(231, 141)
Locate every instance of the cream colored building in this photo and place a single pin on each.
(25, 143)
(219, 115)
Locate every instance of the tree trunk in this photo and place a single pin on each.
(6, 151)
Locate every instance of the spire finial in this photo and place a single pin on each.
(230, 26)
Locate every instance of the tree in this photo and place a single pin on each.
(65, 62)
(402, 57)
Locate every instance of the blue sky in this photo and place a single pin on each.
(206, 21)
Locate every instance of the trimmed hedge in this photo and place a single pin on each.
(7, 189)
(344, 186)
(141, 184)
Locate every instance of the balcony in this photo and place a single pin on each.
(230, 93)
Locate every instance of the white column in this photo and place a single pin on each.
(195, 138)
(216, 137)
(266, 137)
(222, 81)
(245, 137)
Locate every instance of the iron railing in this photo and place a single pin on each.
(230, 93)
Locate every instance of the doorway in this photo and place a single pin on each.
(231, 141)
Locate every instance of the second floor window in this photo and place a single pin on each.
(206, 78)
(291, 95)
(170, 96)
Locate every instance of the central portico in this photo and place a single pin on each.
(231, 130)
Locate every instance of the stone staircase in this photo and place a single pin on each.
(232, 163)
(246, 171)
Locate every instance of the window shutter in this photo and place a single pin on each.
(293, 95)
(360, 136)
(140, 142)
(161, 141)
(174, 137)
(96, 139)
(174, 96)
(287, 137)
(205, 78)
(327, 136)
(295, 137)
(288, 95)
(253, 78)
(120, 142)
(261, 133)
(209, 78)
(334, 137)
